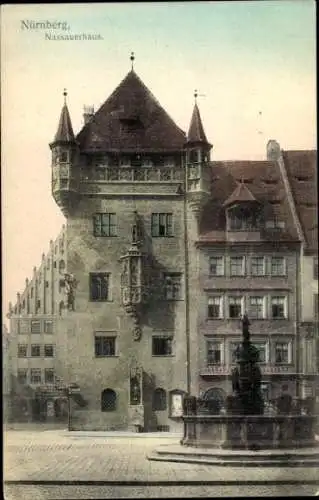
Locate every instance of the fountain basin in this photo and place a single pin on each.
(249, 431)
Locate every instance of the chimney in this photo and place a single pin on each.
(88, 113)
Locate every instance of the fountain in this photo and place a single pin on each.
(244, 434)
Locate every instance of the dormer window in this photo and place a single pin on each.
(240, 219)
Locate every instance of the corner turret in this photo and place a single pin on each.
(64, 158)
(197, 162)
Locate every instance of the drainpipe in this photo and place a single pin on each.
(187, 312)
(298, 317)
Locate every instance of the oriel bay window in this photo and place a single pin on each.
(162, 224)
(104, 224)
(214, 352)
(235, 307)
(99, 287)
(215, 307)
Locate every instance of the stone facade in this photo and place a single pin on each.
(126, 285)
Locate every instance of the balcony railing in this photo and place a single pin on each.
(267, 369)
(133, 174)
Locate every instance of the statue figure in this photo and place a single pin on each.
(70, 285)
(246, 377)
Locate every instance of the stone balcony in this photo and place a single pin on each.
(133, 174)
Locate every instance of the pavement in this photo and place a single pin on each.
(37, 461)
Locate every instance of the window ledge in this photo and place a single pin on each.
(107, 356)
(100, 301)
(163, 355)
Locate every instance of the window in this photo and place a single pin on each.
(262, 349)
(257, 266)
(61, 266)
(22, 350)
(256, 307)
(104, 224)
(172, 286)
(214, 353)
(235, 305)
(162, 225)
(35, 327)
(315, 268)
(104, 346)
(282, 352)
(46, 284)
(48, 351)
(237, 266)
(278, 307)
(38, 304)
(48, 326)
(242, 220)
(24, 326)
(108, 400)
(64, 157)
(99, 286)
(161, 346)
(159, 402)
(36, 377)
(215, 307)
(22, 376)
(216, 266)
(277, 266)
(49, 376)
(31, 293)
(275, 224)
(234, 346)
(35, 351)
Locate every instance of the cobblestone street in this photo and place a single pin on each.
(106, 458)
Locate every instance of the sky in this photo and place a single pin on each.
(252, 62)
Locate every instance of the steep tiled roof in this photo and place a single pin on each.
(264, 182)
(240, 194)
(65, 130)
(131, 119)
(196, 130)
(301, 168)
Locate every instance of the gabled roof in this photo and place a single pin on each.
(196, 130)
(264, 182)
(131, 119)
(240, 194)
(301, 167)
(65, 131)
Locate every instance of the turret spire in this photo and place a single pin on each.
(65, 131)
(196, 130)
(132, 60)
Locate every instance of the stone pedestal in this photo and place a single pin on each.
(136, 418)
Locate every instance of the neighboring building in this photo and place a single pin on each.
(33, 322)
(301, 168)
(6, 373)
(161, 253)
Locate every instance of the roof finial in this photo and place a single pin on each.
(132, 59)
(65, 93)
(195, 95)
